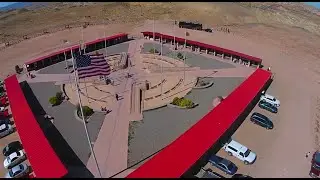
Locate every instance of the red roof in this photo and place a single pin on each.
(44, 161)
(75, 47)
(252, 58)
(181, 154)
(107, 38)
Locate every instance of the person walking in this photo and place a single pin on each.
(117, 97)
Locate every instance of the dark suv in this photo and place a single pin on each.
(210, 174)
(261, 120)
(267, 106)
(11, 147)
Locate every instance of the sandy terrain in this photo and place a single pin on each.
(291, 53)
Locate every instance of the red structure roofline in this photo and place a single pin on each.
(75, 47)
(43, 159)
(203, 45)
(175, 159)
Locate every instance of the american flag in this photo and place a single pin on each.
(92, 65)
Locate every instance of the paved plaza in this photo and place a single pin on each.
(153, 129)
(161, 126)
(192, 59)
(64, 120)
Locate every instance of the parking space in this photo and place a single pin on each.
(257, 139)
(3, 142)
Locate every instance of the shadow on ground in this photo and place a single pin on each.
(68, 157)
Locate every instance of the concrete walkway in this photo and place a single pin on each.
(111, 146)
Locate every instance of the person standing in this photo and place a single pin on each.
(117, 97)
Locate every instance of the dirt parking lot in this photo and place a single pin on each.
(3, 142)
(265, 143)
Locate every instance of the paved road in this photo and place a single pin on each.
(59, 68)
(71, 129)
(161, 126)
(195, 60)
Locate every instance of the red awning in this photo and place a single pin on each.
(203, 45)
(75, 47)
(181, 154)
(44, 161)
(107, 38)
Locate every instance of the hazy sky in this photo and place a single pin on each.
(3, 4)
(315, 4)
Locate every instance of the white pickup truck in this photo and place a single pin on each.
(270, 99)
(239, 151)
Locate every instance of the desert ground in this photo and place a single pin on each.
(290, 48)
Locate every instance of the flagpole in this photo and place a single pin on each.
(184, 57)
(161, 68)
(154, 39)
(65, 59)
(84, 52)
(105, 45)
(105, 42)
(81, 110)
(153, 31)
(174, 36)
(85, 86)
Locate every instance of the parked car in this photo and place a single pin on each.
(241, 176)
(5, 121)
(4, 114)
(2, 94)
(12, 147)
(18, 171)
(270, 99)
(5, 129)
(208, 173)
(315, 165)
(14, 159)
(267, 106)
(3, 101)
(2, 108)
(261, 120)
(223, 164)
(3, 97)
(233, 148)
(2, 89)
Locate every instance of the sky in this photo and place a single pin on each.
(3, 4)
(315, 4)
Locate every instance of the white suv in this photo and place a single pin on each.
(241, 152)
(270, 99)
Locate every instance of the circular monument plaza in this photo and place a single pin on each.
(160, 79)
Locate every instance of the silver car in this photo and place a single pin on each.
(18, 171)
(5, 129)
(14, 158)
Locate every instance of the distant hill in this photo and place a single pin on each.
(39, 17)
